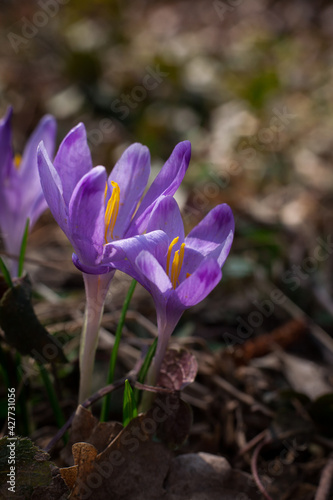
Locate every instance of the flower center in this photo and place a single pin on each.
(112, 208)
(17, 161)
(177, 262)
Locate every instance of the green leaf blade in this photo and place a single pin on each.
(130, 409)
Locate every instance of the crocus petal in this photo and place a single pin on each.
(213, 235)
(153, 277)
(98, 269)
(166, 216)
(10, 192)
(73, 160)
(197, 286)
(12, 229)
(151, 269)
(222, 251)
(86, 216)
(52, 188)
(166, 182)
(33, 201)
(192, 260)
(46, 132)
(6, 152)
(131, 173)
(122, 254)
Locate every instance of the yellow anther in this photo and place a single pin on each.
(172, 244)
(174, 269)
(112, 209)
(188, 275)
(17, 161)
(176, 263)
(181, 257)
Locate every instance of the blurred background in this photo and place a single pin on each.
(249, 83)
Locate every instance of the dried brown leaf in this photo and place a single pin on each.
(86, 428)
(69, 475)
(132, 463)
(179, 369)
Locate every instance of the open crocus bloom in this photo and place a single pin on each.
(179, 272)
(21, 195)
(95, 210)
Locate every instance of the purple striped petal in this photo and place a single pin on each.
(52, 188)
(122, 254)
(166, 216)
(6, 151)
(73, 160)
(214, 234)
(131, 173)
(33, 201)
(154, 274)
(197, 286)
(98, 269)
(86, 216)
(166, 183)
(45, 131)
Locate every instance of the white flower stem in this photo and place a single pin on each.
(96, 287)
(165, 330)
(166, 327)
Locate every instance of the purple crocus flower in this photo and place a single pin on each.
(178, 272)
(95, 210)
(21, 195)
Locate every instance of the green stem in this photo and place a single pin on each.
(23, 249)
(60, 419)
(144, 369)
(114, 353)
(96, 287)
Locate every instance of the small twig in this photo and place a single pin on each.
(88, 402)
(241, 396)
(252, 443)
(323, 298)
(269, 439)
(240, 436)
(143, 321)
(151, 388)
(296, 312)
(42, 263)
(254, 469)
(326, 481)
(327, 443)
